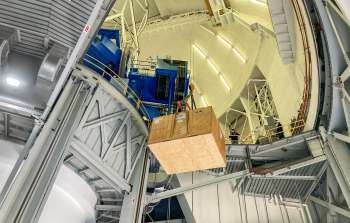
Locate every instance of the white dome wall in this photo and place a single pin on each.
(177, 43)
(286, 81)
(235, 71)
(228, 207)
(252, 12)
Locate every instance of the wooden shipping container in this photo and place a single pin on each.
(188, 141)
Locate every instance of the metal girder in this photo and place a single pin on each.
(133, 203)
(299, 165)
(332, 207)
(341, 137)
(212, 181)
(338, 154)
(98, 166)
(104, 120)
(130, 173)
(284, 177)
(273, 151)
(128, 153)
(116, 134)
(123, 145)
(283, 143)
(319, 175)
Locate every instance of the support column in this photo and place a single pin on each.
(133, 203)
(338, 156)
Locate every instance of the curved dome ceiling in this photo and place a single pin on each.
(223, 58)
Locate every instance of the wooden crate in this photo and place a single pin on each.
(188, 141)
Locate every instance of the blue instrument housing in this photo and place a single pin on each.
(160, 92)
(106, 49)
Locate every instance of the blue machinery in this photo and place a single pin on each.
(161, 85)
(106, 49)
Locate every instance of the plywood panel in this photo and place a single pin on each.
(196, 142)
(161, 129)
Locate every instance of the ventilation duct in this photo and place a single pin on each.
(8, 38)
(4, 51)
(52, 63)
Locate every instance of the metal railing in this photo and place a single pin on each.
(146, 67)
(270, 135)
(117, 82)
(304, 106)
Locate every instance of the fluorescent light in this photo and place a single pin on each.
(230, 45)
(204, 101)
(208, 30)
(226, 84)
(259, 2)
(199, 51)
(12, 81)
(213, 66)
(224, 41)
(240, 56)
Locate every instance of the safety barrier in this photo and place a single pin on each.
(116, 81)
(270, 135)
(304, 107)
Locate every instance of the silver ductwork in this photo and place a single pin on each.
(52, 63)
(4, 51)
(8, 38)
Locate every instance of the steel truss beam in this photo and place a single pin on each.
(332, 207)
(298, 165)
(104, 119)
(273, 150)
(133, 203)
(284, 177)
(338, 153)
(196, 186)
(98, 166)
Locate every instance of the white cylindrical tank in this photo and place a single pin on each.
(71, 199)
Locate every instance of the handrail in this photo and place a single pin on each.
(271, 134)
(115, 80)
(304, 107)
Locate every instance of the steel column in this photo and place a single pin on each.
(339, 210)
(196, 186)
(133, 203)
(96, 164)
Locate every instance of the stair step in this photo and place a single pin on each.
(113, 208)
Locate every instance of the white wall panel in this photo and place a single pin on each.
(217, 204)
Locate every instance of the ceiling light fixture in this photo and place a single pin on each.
(204, 101)
(199, 51)
(226, 84)
(213, 66)
(259, 2)
(208, 30)
(224, 41)
(240, 56)
(13, 82)
(230, 45)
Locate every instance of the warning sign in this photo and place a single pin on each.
(87, 28)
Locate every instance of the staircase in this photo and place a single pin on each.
(107, 147)
(282, 16)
